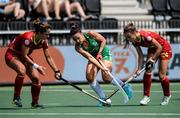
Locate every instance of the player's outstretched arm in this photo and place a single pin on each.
(52, 64)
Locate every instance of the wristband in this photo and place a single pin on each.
(35, 66)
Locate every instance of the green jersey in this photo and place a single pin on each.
(93, 48)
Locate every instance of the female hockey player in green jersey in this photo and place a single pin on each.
(92, 46)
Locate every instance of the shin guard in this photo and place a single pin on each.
(35, 92)
(147, 84)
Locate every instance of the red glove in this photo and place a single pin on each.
(99, 56)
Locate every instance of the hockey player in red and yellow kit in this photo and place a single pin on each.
(18, 58)
(158, 49)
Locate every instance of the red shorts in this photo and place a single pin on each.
(165, 55)
(9, 55)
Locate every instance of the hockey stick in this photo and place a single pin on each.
(80, 89)
(127, 81)
(135, 75)
(126, 99)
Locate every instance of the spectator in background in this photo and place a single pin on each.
(8, 7)
(41, 6)
(67, 7)
(47, 7)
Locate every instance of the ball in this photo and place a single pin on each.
(109, 102)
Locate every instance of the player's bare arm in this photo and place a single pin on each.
(140, 57)
(50, 60)
(52, 64)
(158, 50)
(25, 56)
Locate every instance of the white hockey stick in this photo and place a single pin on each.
(135, 75)
(127, 81)
(126, 99)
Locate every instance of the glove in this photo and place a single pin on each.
(58, 75)
(99, 56)
(150, 64)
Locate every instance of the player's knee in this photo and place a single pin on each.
(162, 75)
(149, 71)
(107, 80)
(35, 80)
(22, 71)
(89, 78)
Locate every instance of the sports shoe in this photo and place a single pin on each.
(109, 103)
(165, 100)
(128, 89)
(17, 102)
(36, 106)
(145, 100)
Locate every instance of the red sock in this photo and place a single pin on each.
(35, 92)
(147, 84)
(18, 86)
(166, 86)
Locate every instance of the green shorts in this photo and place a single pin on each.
(106, 54)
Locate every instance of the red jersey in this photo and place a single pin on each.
(146, 37)
(26, 39)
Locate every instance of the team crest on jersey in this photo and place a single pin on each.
(149, 38)
(26, 42)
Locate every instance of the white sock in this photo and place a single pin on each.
(96, 87)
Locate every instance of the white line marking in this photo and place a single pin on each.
(66, 90)
(91, 114)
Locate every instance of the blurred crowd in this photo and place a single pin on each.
(49, 9)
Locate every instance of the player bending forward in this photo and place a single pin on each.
(158, 48)
(18, 58)
(92, 46)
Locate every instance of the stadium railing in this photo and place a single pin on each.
(114, 35)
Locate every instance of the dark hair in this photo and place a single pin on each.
(126, 43)
(41, 26)
(74, 29)
(128, 28)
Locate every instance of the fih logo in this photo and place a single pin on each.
(124, 62)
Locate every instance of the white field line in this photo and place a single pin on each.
(82, 86)
(74, 90)
(89, 114)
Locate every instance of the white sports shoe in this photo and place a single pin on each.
(165, 100)
(145, 100)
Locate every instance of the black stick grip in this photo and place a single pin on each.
(71, 84)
